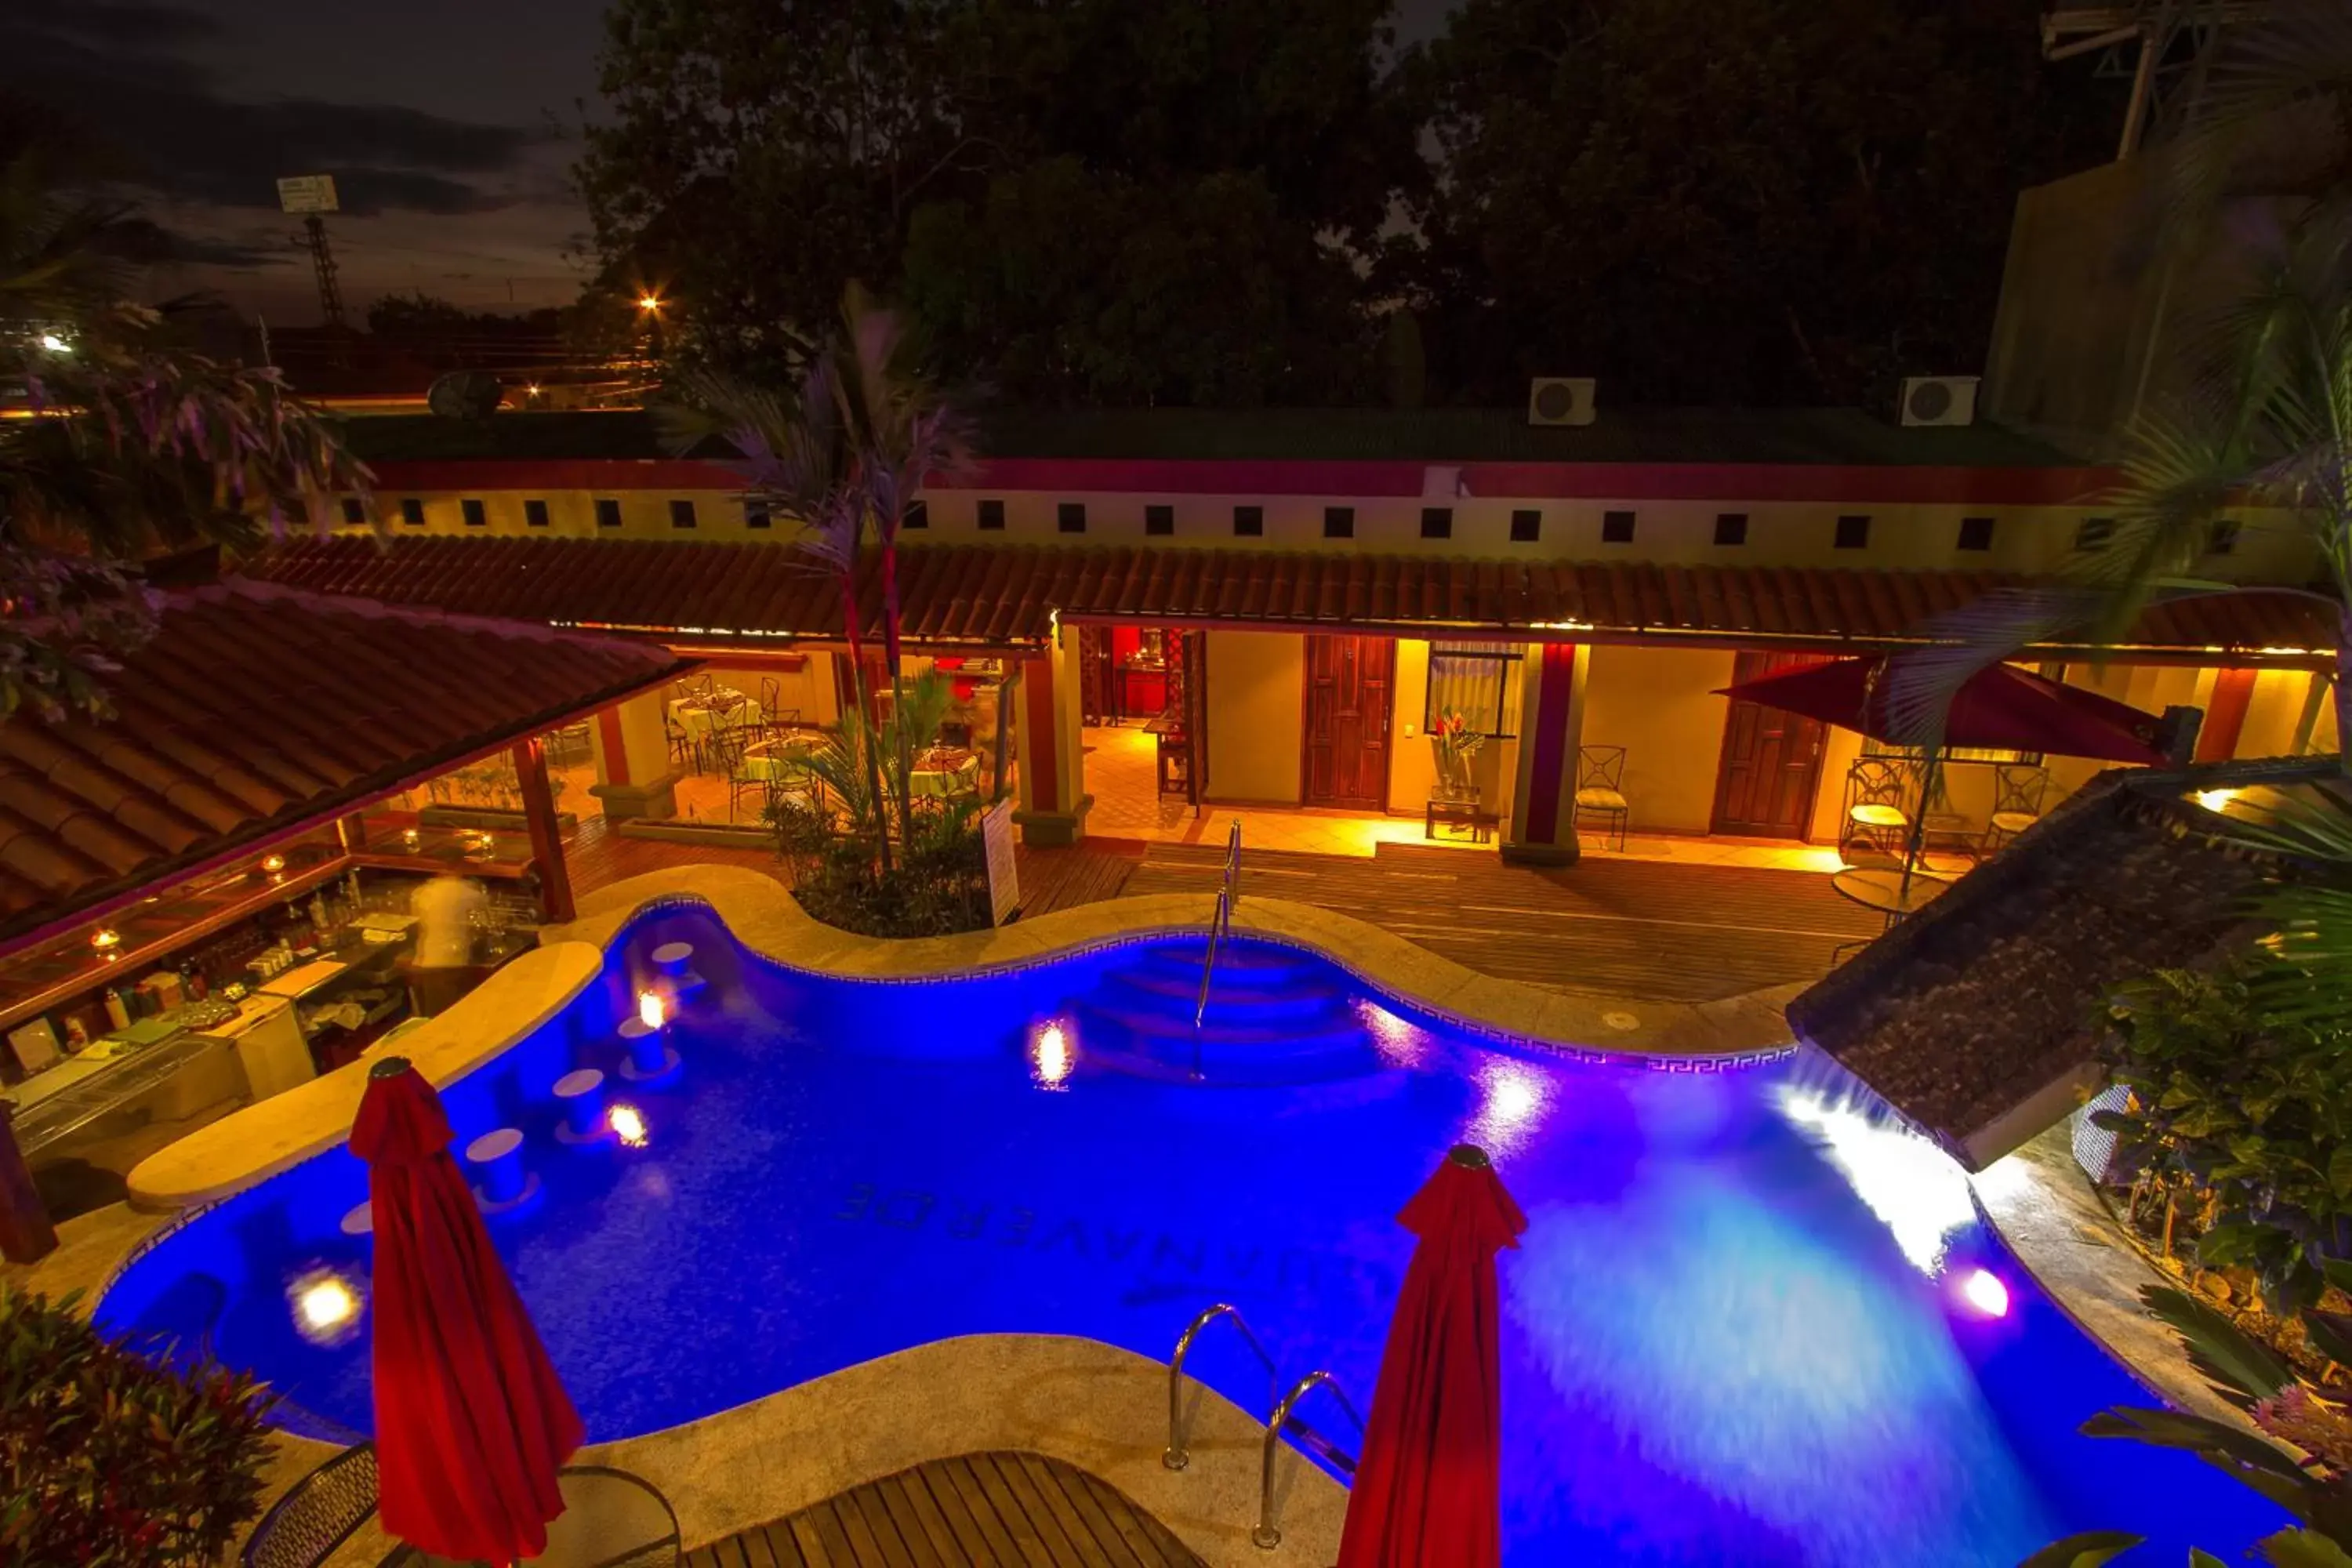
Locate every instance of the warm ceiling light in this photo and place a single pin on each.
(273, 864)
(106, 939)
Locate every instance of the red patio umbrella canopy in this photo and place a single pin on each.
(2001, 708)
(471, 1423)
(1430, 1489)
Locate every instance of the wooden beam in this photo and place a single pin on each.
(546, 833)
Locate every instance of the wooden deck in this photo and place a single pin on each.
(981, 1511)
(1642, 930)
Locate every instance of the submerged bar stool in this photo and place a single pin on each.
(581, 1093)
(503, 1181)
(651, 1056)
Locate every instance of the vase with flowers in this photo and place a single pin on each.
(1456, 744)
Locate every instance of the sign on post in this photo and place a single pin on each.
(1003, 871)
(307, 193)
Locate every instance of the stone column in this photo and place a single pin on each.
(633, 776)
(1054, 801)
(1551, 727)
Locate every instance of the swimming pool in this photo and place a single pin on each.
(1734, 1332)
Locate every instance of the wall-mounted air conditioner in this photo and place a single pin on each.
(1938, 400)
(1560, 400)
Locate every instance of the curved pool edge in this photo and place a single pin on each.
(764, 917)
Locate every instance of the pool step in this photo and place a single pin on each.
(1317, 1046)
(1230, 996)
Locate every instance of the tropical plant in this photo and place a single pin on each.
(130, 444)
(115, 1452)
(2252, 1109)
(2312, 1481)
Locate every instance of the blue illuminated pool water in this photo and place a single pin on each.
(1715, 1351)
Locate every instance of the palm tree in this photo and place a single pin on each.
(128, 445)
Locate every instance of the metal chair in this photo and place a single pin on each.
(318, 1514)
(1601, 790)
(2017, 789)
(1878, 807)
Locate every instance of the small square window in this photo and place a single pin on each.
(475, 514)
(354, 511)
(2092, 533)
(608, 513)
(1160, 521)
(1616, 528)
(2224, 540)
(992, 516)
(757, 515)
(1249, 521)
(1853, 533)
(1731, 528)
(534, 514)
(1070, 517)
(681, 514)
(1339, 522)
(917, 515)
(1437, 523)
(1976, 533)
(412, 512)
(1527, 526)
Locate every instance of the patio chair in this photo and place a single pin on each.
(1601, 790)
(1877, 818)
(2018, 790)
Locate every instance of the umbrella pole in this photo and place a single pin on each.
(1917, 846)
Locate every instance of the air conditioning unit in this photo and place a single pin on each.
(1560, 400)
(1938, 400)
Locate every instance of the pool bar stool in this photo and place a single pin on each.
(503, 1181)
(651, 1056)
(581, 1093)
(1601, 790)
(1877, 810)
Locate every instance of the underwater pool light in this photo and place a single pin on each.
(628, 1124)
(1984, 1291)
(1050, 1055)
(326, 1307)
(650, 1009)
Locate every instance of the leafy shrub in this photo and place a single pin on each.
(109, 1459)
(937, 884)
(2253, 1108)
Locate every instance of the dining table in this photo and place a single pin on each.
(944, 771)
(697, 716)
(782, 756)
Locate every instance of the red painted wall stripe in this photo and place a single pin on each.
(1555, 694)
(616, 750)
(1044, 752)
(1858, 484)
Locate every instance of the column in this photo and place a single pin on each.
(546, 832)
(1551, 727)
(633, 776)
(26, 1234)
(1054, 801)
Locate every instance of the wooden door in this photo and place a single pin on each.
(1771, 760)
(1345, 759)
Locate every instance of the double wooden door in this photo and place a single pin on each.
(1345, 759)
(1771, 760)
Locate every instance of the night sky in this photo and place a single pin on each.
(443, 121)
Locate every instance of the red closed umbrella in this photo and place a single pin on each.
(2001, 708)
(471, 1422)
(1429, 1491)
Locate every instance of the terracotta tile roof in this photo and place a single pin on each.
(999, 593)
(259, 707)
(1978, 1018)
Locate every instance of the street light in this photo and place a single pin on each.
(649, 303)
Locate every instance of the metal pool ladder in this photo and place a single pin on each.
(1280, 1418)
(1220, 925)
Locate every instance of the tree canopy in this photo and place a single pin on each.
(1171, 201)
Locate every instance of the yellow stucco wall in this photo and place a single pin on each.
(1659, 704)
(1257, 694)
(808, 690)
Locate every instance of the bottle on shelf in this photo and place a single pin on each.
(118, 1013)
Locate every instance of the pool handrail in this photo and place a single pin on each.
(1267, 1535)
(1174, 1456)
(1220, 925)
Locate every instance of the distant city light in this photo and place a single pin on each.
(650, 1010)
(326, 1307)
(1051, 1056)
(628, 1124)
(1984, 1291)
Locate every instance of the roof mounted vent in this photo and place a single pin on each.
(1560, 400)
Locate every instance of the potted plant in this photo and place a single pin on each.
(1455, 744)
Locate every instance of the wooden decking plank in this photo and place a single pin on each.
(1059, 1548)
(1100, 1525)
(926, 1534)
(1036, 1539)
(701, 1557)
(782, 1546)
(958, 1490)
(826, 1518)
(868, 1510)
(1091, 1549)
(811, 1541)
(1154, 1545)
(732, 1553)
(757, 1553)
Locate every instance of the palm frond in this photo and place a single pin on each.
(1920, 684)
